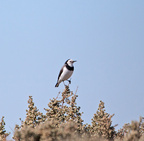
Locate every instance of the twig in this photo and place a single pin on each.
(76, 90)
(11, 129)
(58, 95)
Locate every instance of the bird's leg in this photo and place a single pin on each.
(69, 81)
(64, 83)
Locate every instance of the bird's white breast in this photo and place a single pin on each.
(66, 74)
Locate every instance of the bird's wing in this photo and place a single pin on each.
(60, 72)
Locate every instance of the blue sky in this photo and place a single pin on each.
(105, 37)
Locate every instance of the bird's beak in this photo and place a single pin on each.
(74, 61)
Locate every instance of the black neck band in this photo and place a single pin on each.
(69, 68)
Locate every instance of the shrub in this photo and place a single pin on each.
(63, 122)
(3, 133)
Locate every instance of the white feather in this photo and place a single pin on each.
(66, 74)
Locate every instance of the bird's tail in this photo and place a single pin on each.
(57, 84)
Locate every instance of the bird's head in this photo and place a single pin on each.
(70, 62)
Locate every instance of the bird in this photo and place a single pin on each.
(65, 72)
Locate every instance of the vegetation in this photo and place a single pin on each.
(63, 122)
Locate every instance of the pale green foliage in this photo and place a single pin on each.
(133, 131)
(33, 116)
(3, 133)
(102, 124)
(63, 122)
(65, 109)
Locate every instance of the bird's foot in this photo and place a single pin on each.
(69, 81)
